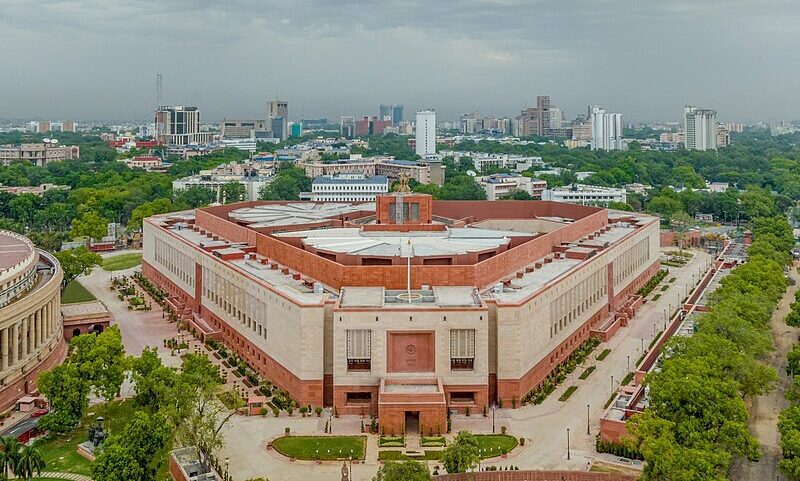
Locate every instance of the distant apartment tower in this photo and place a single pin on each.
(535, 120)
(394, 113)
(426, 132)
(606, 130)
(347, 127)
(371, 126)
(278, 116)
(700, 126)
(243, 129)
(67, 126)
(179, 125)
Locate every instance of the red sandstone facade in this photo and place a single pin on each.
(406, 338)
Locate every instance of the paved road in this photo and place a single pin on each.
(544, 425)
(21, 427)
(765, 409)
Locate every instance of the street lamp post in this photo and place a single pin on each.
(629, 363)
(612, 383)
(587, 420)
(568, 457)
(493, 408)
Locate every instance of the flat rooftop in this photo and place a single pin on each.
(452, 241)
(274, 215)
(520, 288)
(87, 310)
(439, 296)
(13, 250)
(287, 284)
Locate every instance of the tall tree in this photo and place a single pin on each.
(403, 471)
(462, 455)
(29, 462)
(76, 262)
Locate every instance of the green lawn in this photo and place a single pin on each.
(75, 292)
(492, 445)
(122, 261)
(321, 447)
(59, 452)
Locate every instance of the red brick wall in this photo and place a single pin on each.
(612, 430)
(393, 417)
(535, 476)
(340, 400)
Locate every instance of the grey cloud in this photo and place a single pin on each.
(645, 58)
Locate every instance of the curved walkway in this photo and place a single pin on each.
(69, 476)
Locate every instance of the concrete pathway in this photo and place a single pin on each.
(54, 475)
(765, 409)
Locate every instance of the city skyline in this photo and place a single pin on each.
(490, 56)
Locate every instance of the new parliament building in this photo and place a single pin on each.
(404, 307)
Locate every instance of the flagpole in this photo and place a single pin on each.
(408, 272)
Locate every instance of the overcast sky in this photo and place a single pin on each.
(98, 59)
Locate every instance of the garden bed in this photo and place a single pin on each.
(567, 393)
(432, 441)
(392, 442)
(603, 354)
(586, 373)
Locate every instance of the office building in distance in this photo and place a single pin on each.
(348, 188)
(252, 175)
(31, 332)
(426, 133)
(585, 194)
(179, 126)
(38, 153)
(700, 126)
(499, 185)
(606, 130)
(405, 307)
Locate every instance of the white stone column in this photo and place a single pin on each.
(48, 316)
(37, 328)
(24, 326)
(31, 334)
(14, 335)
(4, 349)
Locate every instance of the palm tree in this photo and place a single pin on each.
(30, 461)
(8, 456)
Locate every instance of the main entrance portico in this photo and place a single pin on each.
(412, 405)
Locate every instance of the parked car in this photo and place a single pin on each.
(39, 412)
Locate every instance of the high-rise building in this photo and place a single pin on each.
(397, 114)
(385, 112)
(347, 127)
(535, 120)
(391, 112)
(700, 126)
(179, 125)
(542, 114)
(606, 130)
(371, 126)
(67, 126)
(277, 108)
(426, 132)
(278, 116)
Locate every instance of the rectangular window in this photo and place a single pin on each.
(359, 398)
(359, 349)
(462, 349)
